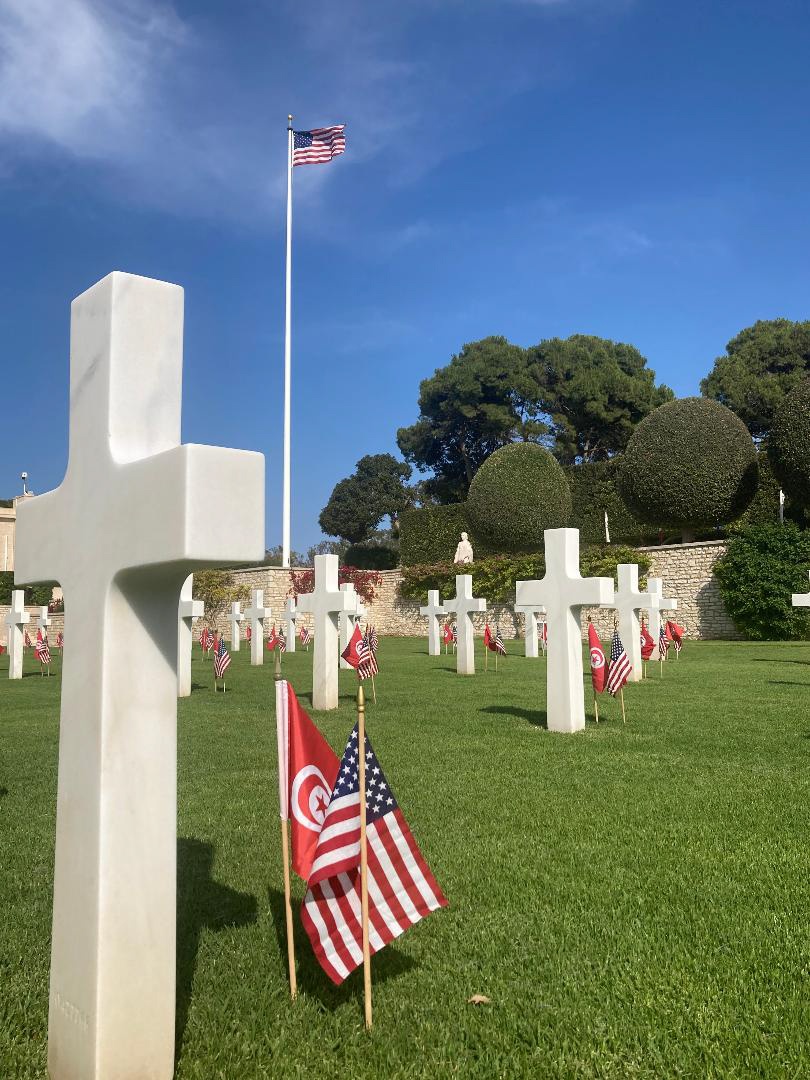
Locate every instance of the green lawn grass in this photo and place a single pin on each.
(633, 899)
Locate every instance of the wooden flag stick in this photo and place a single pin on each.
(621, 695)
(595, 707)
(373, 689)
(486, 657)
(285, 857)
(361, 753)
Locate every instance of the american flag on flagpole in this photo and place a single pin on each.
(367, 668)
(620, 667)
(401, 888)
(281, 642)
(663, 644)
(318, 145)
(42, 652)
(222, 659)
(498, 645)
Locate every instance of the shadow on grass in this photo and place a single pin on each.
(533, 716)
(786, 682)
(769, 660)
(312, 979)
(3, 792)
(202, 904)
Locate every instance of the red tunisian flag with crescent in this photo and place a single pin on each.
(598, 665)
(351, 654)
(307, 771)
(647, 643)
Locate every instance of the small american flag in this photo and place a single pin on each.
(663, 644)
(60, 640)
(498, 645)
(319, 145)
(42, 652)
(367, 668)
(222, 659)
(372, 640)
(455, 632)
(306, 637)
(401, 888)
(281, 642)
(27, 640)
(620, 668)
(205, 639)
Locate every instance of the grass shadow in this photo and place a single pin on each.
(3, 792)
(768, 660)
(532, 716)
(202, 904)
(312, 980)
(787, 682)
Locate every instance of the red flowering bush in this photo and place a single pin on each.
(366, 582)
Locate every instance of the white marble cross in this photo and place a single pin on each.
(187, 611)
(801, 599)
(235, 618)
(256, 614)
(628, 602)
(564, 592)
(347, 621)
(434, 611)
(290, 618)
(463, 605)
(655, 587)
(43, 621)
(15, 620)
(131, 519)
(324, 603)
(531, 611)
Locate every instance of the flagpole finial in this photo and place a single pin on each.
(289, 120)
(277, 672)
(361, 699)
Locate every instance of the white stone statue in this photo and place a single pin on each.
(464, 551)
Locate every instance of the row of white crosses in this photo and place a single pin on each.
(112, 991)
(16, 619)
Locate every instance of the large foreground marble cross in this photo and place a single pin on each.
(256, 614)
(324, 603)
(801, 599)
(530, 612)
(188, 610)
(130, 521)
(434, 611)
(628, 602)
(655, 587)
(15, 621)
(235, 618)
(464, 604)
(347, 620)
(290, 618)
(564, 592)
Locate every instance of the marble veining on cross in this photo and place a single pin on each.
(325, 603)
(464, 605)
(434, 610)
(15, 620)
(131, 519)
(564, 592)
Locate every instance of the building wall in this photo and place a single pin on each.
(8, 521)
(686, 569)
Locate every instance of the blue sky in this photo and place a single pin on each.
(636, 169)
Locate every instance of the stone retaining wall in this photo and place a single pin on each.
(686, 569)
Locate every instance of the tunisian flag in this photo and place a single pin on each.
(307, 770)
(647, 643)
(351, 654)
(598, 665)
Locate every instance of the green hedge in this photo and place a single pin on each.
(431, 535)
(763, 565)
(494, 577)
(593, 491)
(372, 556)
(789, 444)
(39, 594)
(518, 493)
(690, 464)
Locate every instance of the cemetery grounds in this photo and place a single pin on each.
(632, 900)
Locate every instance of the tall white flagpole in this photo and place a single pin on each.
(285, 509)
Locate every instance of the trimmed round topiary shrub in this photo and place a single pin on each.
(517, 493)
(789, 444)
(691, 464)
(761, 569)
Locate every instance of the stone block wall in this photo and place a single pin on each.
(686, 569)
